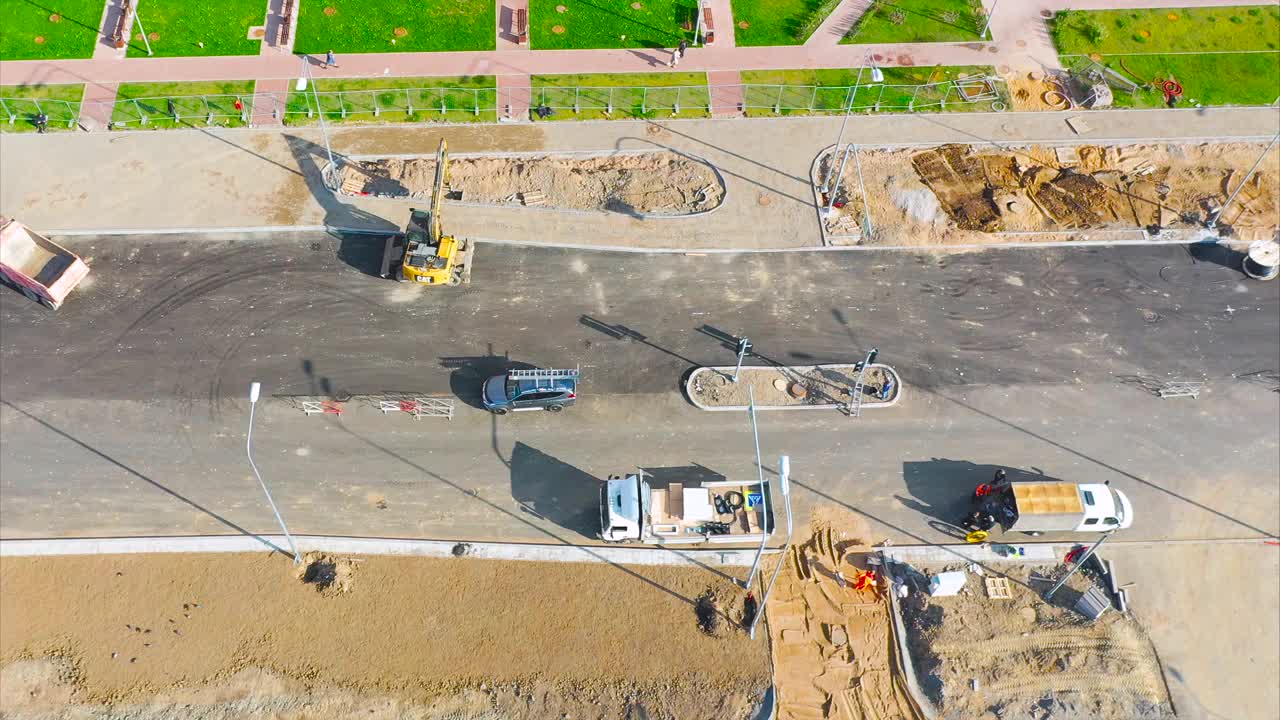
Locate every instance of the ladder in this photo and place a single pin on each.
(541, 374)
(855, 402)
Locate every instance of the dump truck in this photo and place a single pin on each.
(1035, 507)
(36, 266)
(423, 253)
(637, 508)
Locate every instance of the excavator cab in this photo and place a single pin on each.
(427, 255)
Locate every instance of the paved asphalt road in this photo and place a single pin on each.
(123, 413)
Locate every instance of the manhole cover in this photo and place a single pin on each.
(636, 6)
(331, 11)
(39, 40)
(744, 24)
(401, 32)
(797, 391)
(764, 199)
(561, 8)
(559, 29)
(780, 385)
(55, 18)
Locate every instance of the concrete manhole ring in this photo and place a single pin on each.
(39, 40)
(401, 32)
(636, 6)
(797, 391)
(331, 11)
(561, 9)
(55, 18)
(558, 29)
(744, 24)
(780, 385)
(764, 199)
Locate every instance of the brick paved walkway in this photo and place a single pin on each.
(1021, 40)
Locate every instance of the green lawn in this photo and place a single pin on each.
(177, 27)
(61, 103)
(365, 26)
(411, 99)
(27, 31)
(778, 22)
(1212, 79)
(192, 101)
(805, 92)
(610, 24)
(632, 95)
(911, 21)
(1167, 30)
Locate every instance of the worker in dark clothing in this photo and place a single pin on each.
(42, 122)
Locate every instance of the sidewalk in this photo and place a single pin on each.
(270, 177)
(1020, 40)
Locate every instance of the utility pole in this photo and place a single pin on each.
(784, 484)
(254, 390)
(137, 19)
(987, 25)
(324, 129)
(744, 347)
(764, 525)
(1079, 564)
(1217, 215)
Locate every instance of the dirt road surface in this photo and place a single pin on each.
(247, 635)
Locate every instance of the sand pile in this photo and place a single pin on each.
(248, 636)
(657, 183)
(832, 645)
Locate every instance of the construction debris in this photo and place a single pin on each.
(967, 194)
(1008, 654)
(650, 183)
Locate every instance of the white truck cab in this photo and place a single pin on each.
(1104, 509)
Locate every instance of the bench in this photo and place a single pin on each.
(520, 25)
(286, 20)
(120, 35)
(708, 27)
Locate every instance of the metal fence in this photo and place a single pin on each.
(486, 104)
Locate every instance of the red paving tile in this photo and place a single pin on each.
(726, 93)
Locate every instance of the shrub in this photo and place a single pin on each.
(1120, 23)
(1237, 19)
(950, 16)
(1094, 31)
(1255, 12)
(1138, 38)
(897, 17)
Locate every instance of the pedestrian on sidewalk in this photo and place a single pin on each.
(330, 60)
(678, 53)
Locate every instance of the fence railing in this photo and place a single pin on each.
(486, 104)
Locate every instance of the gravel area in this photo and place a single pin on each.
(788, 386)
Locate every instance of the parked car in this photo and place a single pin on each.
(538, 389)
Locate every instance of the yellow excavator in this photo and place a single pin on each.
(424, 254)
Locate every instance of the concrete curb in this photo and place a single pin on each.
(916, 249)
(727, 369)
(377, 546)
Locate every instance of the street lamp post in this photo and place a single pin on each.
(764, 525)
(331, 181)
(254, 390)
(784, 484)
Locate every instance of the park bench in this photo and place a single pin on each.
(520, 25)
(286, 19)
(708, 27)
(120, 35)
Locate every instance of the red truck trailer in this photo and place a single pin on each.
(36, 266)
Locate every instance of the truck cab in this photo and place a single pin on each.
(1104, 509)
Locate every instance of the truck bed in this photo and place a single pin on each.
(33, 260)
(672, 514)
(1047, 498)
